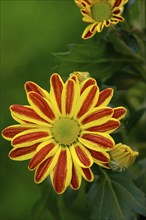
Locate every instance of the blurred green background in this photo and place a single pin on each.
(30, 32)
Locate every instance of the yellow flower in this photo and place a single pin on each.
(122, 157)
(100, 14)
(64, 131)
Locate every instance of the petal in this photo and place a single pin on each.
(33, 87)
(70, 95)
(86, 173)
(87, 100)
(119, 112)
(83, 3)
(30, 137)
(62, 173)
(107, 23)
(114, 21)
(81, 155)
(97, 116)
(104, 97)
(46, 167)
(117, 18)
(99, 157)
(41, 106)
(56, 84)
(87, 18)
(100, 26)
(23, 153)
(89, 31)
(26, 113)
(116, 11)
(76, 178)
(97, 141)
(9, 132)
(107, 127)
(44, 150)
(86, 83)
(19, 120)
(119, 3)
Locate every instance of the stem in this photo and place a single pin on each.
(142, 15)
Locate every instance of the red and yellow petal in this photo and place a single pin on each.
(87, 18)
(96, 117)
(86, 83)
(42, 106)
(30, 137)
(89, 31)
(27, 114)
(57, 85)
(81, 155)
(70, 95)
(116, 18)
(107, 23)
(116, 11)
(118, 3)
(99, 156)
(23, 153)
(83, 3)
(97, 141)
(76, 177)
(104, 97)
(62, 173)
(44, 150)
(100, 26)
(86, 101)
(9, 132)
(119, 112)
(86, 173)
(33, 87)
(108, 127)
(46, 167)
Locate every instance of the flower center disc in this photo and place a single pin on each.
(65, 131)
(101, 11)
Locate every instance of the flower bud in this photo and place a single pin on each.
(122, 156)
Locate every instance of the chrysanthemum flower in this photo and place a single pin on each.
(122, 156)
(100, 14)
(63, 132)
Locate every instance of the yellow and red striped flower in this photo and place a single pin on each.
(100, 14)
(65, 131)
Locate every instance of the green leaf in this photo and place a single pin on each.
(115, 196)
(88, 57)
(120, 45)
(133, 120)
(140, 181)
(46, 207)
(123, 80)
(77, 210)
(69, 196)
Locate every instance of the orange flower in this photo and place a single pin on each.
(100, 14)
(65, 131)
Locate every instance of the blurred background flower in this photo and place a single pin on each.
(100, 14)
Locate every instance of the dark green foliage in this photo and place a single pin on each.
(114, 197)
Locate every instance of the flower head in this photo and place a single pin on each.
(100, 14)
(64, 131)
(122, 157)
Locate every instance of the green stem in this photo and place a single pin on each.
(142, 6)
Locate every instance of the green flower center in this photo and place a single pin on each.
(101, 11)
(66, 131)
